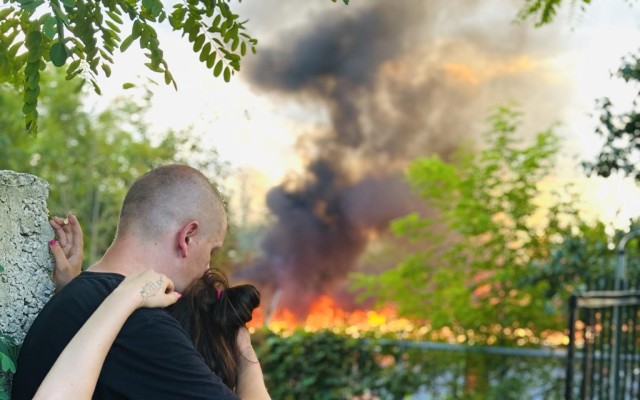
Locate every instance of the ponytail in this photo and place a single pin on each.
(212, 313)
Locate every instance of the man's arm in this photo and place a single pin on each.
(88, 349)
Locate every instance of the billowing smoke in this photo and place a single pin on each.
(322, 228)
(399, 79)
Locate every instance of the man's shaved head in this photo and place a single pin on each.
(168, 197)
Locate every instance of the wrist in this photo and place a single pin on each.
(132, 299)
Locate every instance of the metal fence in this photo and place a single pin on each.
(603, 360)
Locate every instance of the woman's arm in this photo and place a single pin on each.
(86, 352)
(250, 379)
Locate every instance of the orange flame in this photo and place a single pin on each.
(324, 313)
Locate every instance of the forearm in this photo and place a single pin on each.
(87, 351)
(250, 379)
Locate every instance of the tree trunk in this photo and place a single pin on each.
(25, 283)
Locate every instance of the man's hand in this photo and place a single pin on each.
(68, 250)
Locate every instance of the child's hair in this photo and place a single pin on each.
(212, 313)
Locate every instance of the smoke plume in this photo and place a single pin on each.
(399, 79)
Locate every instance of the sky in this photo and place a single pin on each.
(417, 77)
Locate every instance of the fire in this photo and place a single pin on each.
(325, 313)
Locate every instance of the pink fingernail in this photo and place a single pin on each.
(52, 242)
(179, 295)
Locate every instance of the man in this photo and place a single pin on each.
(172, 219)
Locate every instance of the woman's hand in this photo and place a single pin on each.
(68, 250)
(250, 378)
(149, 289)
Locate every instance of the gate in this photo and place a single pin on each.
(603, 357)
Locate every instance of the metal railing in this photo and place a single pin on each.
(604, 332)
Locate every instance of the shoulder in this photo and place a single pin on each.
(153, 324)
(88, 285)
(155, 356)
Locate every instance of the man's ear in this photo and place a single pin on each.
(186, 235)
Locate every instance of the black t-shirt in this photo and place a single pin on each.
(151, 358)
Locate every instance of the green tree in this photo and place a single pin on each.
(620, 133)
(543, 11)
(83, 36)
(89, 158)
(620, 151)
(486, 256)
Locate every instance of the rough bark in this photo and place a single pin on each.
(25, 284)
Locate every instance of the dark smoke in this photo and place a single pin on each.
(380, 69)
(322, 228)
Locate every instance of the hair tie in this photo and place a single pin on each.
(219, 293)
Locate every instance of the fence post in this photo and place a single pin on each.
(614, 376)
(568, 390)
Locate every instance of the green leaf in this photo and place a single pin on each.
(69, 3)
(49, 27)
(32, 81)
(96, 88)
(73, 65)
(216, 21)
(115, 28)
(106, 69)
(71, 74)
(211, 60)
(128, 85)
(218, 69)
(114, 16)
(1, 268)
(4, 12)
(154, 6)
(58, 54)
(197, 44)
(7, 363)
(31, 68)
(227, 74)
(127, 42)
(204, 54)
(33, 56)
(13, 50)
(34, 38)
(31, 5)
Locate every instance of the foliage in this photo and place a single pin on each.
(326, 365)
(90, 159)
(8, 357)
(481, 254)
(620, 150)
(543, 11)
(621, 132)
(84, 35)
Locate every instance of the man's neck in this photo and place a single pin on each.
(128, 257)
